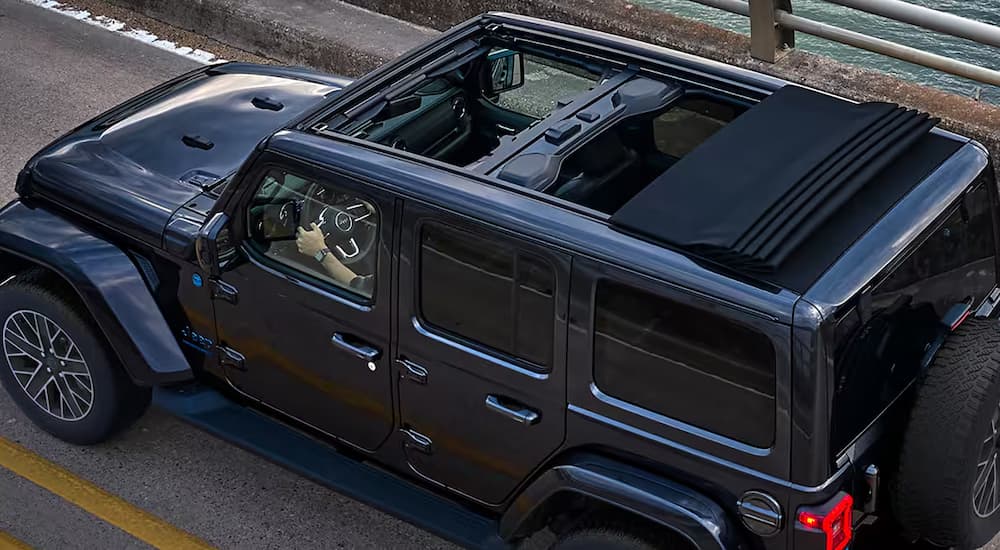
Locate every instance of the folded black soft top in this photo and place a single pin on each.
(759, 188)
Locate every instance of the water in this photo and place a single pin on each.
(987, 11)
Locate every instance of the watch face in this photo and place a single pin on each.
(321, 254)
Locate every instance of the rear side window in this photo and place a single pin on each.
(487, 292)
(685, 363)
(880, 347)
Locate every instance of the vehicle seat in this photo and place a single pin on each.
(599, 175)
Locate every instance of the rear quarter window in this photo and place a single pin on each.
(684, 362)
(879, 347)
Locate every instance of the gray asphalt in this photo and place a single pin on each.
(54, 74)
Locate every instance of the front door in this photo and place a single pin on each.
(303, 309)
(481, 353)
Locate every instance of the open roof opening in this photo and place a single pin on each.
(463, 113)
(621, 161)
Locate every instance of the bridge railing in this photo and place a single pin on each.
(773, 27)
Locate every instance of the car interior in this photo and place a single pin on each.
(585, 132)
(462, 115)
(611, 168)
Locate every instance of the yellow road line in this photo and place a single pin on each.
(7, 542)
(110, 508)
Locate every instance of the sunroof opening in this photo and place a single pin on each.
(622, 160)
(465, 113)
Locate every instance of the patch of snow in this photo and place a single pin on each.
(114, 25)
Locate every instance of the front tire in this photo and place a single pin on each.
(947, 488)
(56, 365)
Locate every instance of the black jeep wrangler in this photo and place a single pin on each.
(532, 277)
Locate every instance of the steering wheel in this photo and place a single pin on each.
(348, 222)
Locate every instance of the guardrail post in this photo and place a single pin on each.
(769, 40)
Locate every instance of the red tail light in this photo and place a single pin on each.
(833, 521)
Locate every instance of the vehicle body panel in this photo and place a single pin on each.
(283, 325)
(487, 454)
(132, 167)
(697, 519)
(108, 283)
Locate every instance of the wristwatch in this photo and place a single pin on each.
(321, 255)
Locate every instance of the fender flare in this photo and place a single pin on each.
(676, 507)
(108, 283)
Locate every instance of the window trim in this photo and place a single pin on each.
(652, 287)
(299, 277)
(442, 334)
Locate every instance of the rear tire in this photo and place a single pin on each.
(56, 365)
(947, 488)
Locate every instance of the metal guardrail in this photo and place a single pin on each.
(773, 27)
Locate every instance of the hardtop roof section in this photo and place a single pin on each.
(759, 189)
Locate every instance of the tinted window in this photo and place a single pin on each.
(878, 355)
(316, 229)
(487, 292)
(685, 363)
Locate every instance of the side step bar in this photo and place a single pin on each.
(211, 411)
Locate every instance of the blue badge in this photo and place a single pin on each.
(196, 280)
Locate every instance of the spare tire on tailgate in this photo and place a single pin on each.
(947, 489)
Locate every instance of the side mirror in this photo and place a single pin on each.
(506, 71)
(275, 222)
(213, 234)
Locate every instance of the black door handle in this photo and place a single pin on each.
(355, 347)
(515, 412)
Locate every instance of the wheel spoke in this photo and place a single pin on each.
(37, 383)
(45, 335)
(23, 346)
(66, 395)
(82, 379)
(85, 399)
(69, 354)
(73, 366)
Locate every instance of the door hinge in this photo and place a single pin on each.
(222, 290)
(417, 441)
(412, 371)
(228, 357)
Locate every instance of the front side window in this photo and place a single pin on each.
(684, 362)
(488, 293)
(316, 229)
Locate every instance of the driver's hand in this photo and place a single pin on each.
(310, 241)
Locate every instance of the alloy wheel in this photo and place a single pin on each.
(48, 365)
(986, 489)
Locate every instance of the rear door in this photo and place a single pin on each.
(481, 352)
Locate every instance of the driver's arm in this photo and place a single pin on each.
(311, 241)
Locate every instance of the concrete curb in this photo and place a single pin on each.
(325, 34)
